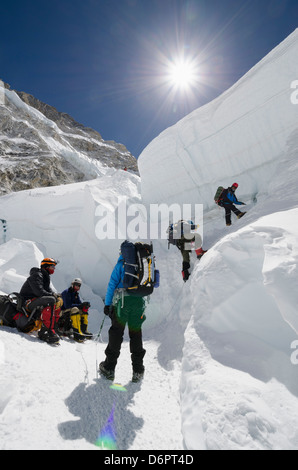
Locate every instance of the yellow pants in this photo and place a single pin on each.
(78, 317)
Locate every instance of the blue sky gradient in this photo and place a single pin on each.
(104, 62)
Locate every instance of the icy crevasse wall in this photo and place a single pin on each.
(240, 136)
(62, 222)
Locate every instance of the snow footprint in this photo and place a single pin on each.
(6, 393)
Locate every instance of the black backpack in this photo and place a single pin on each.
(8, 308)
(140, 274)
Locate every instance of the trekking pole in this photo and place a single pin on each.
(100, 329)
(96, 341)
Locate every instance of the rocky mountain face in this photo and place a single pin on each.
(40, 146)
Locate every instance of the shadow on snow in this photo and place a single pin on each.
(98, 407)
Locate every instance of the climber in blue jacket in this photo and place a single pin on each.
(227, 201)
(123, 309)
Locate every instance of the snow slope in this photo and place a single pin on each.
(239, 387)
(52, 400)
(221, 363)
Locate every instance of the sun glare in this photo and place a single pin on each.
(182, 74)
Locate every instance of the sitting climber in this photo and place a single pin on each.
(74, 317)
(39, 301)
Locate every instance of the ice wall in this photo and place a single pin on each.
(63, 220)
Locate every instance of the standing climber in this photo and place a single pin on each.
(128, 309)
(227, 201)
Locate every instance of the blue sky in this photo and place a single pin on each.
(106, 62)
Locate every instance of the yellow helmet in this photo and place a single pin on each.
(48, 262)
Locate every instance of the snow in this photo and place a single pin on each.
(221, 362)
(240, 335)
(52, 400)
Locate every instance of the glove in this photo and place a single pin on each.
(85, 304)
(59, 302)
(108, 309)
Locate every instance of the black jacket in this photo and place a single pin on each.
(37, 284)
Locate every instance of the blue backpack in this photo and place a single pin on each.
(140, 274)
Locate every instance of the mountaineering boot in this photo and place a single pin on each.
(87, 335)
(241, 215)
(200, 252)
(48, 335)
(77, 336)
(137, 376)
(85, 332)
(108, 374)
(47, 332)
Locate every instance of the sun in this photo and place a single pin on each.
(182, 74)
